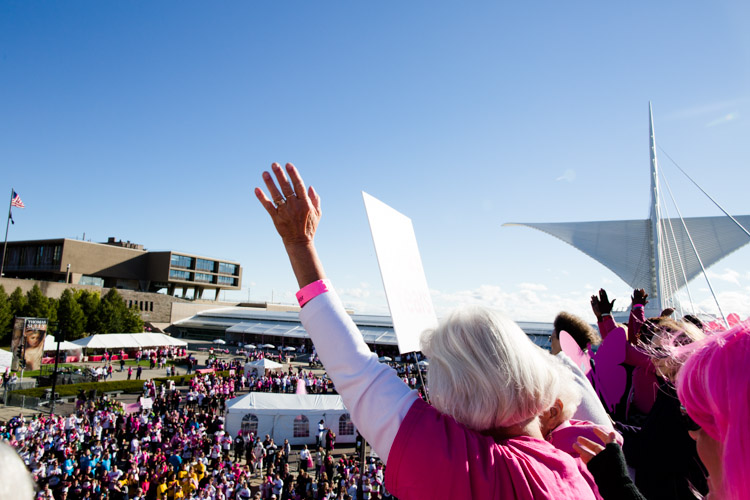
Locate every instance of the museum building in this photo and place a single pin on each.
(119, 264)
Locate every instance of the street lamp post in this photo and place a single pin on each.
(58, 334)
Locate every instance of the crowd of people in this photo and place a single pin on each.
(658, 411)
(177, 448)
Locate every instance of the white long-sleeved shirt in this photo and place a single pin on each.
(376, 397)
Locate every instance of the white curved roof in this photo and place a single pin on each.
(625, 247)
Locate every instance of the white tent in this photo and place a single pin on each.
(261, 365)
(128, 341)
(51, 345)
(6, 357)
(289, 416)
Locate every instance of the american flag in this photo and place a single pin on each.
(16, 201)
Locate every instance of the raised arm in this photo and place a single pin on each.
(374, 395)
(602, 308)
(638, 302)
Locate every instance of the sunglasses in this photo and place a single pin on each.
(687, 421)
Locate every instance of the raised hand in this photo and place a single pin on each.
(295, 213)
(639, 297)
(601, 305)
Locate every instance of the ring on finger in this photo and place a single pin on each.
(279, 202)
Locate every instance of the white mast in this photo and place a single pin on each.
(656, 301)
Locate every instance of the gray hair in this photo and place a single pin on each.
(486, 373)
(569, 393)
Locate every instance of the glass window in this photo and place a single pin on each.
(226, 280)
(250, 424)
(13, 256)
(91, 280)
(204, 265)
(346, 427)
(225, 268)
(181, 261)
(204, 278)
(57, 254)
(38, 255)
(179, 275)
(301, 427)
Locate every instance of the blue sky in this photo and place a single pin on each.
(151, 122)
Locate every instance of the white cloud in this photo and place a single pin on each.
(569, 176)
(729, 275)
(731, 302)
(526, 305)
(532, 286)
(355, 293)
(724, 119)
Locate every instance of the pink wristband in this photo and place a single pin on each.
(636, 306)
(309, 292)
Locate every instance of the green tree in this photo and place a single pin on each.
(89, 302)
(116, 317)
(70, 317)
(37, 305)
(6, 317)
(17, 302)
(53, 304)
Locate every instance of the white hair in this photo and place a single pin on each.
(568, 391)
(15, 480)
(486, 373)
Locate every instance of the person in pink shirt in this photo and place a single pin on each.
(644, 380)
(488, 382)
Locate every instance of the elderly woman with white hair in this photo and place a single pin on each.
(488, 383)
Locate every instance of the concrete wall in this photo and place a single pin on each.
(103, 260)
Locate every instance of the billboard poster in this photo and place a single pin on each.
(16, 344)
(28, 342)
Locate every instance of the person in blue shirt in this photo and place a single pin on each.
(85, 460)
(175, 460)
(106, 462)
(68, 466)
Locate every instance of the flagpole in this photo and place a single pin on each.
(7, 225)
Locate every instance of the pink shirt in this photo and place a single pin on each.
(433, 456)
(645, 383)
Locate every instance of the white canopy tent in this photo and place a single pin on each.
(261, 365)
(289, 416)
(6, 357)
(50, 344)
(128, 341)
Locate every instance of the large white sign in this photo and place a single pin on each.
(402, 272)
